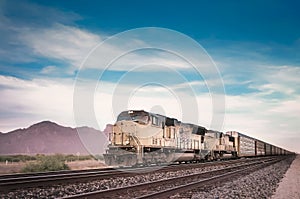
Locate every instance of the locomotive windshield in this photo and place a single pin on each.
(140, 117)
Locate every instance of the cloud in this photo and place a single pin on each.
(23, 17)
(52, 99)
(269, 110)
(286, 75)
(271, 121)
(278, 82)
(60, 42)
(251, 54)
(48, 69)
(21, 14)
(72, 45)
(46, 36)
(24, 102)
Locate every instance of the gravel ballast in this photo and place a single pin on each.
(259, 184)
(96, 185)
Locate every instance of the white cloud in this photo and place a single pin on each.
(272, 121)
(75, 46)
(24, 102)
(48, 69)
(281, 79)
(273, 109)
(53, 99)
(275, 87)
(26, 17)
(39, 99)
(60, 42)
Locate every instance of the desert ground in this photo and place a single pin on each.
(16, 167)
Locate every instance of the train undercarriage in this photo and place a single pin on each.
(130, 156)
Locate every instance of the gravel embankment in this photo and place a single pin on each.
(71, 189)
(260, 184)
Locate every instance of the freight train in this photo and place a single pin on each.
(142, 138)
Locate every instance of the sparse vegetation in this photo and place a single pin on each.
(41, 162)
(71, 158)
(99, 157)
(25, 158)
(46, 163)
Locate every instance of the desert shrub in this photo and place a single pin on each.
(99, 157)
(46, 163)
(71, 158)
(86, 157)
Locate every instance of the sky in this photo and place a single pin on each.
(225, 65)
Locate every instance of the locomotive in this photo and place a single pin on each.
(142, 138)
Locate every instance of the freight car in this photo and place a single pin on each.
(140, 137)
(248, 146)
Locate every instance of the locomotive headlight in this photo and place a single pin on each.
(127, 142)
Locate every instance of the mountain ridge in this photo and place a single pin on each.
(47, 137)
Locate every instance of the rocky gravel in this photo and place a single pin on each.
(259, 184)
(96, 185)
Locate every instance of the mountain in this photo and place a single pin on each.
(49, 138)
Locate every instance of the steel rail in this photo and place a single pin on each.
(132, 190)
(15, 181)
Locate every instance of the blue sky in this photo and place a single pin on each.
(254, 45)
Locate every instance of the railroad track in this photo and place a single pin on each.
(46, 179)
(17, 181)
(167, 187)
(20, 175)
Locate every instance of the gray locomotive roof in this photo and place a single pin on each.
(163, 116)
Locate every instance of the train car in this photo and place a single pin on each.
(222, 146)
(273, 150)
(245, 144)
(268, 150)
(141, 137)
(276, 150)
(248, 146)
(259, 148)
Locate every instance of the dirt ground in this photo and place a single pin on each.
(86, 164)
(10, 167)
(289, 187)
(16, 167)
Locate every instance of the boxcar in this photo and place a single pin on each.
(273, 149)
(246, 145)
(268, 149)
(259, 148)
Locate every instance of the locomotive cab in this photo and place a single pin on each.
(140, 117)
(144, 137)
